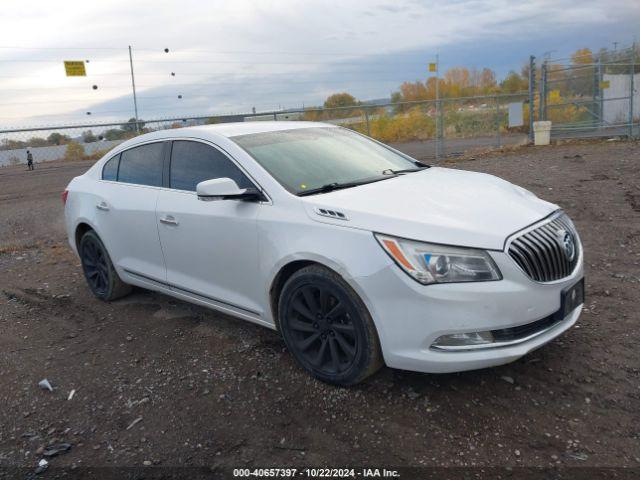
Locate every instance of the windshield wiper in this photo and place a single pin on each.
(330, 187)
(419, 166)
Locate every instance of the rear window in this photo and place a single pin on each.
(142, 165)
(110, 169)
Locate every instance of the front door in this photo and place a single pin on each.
(210, 247)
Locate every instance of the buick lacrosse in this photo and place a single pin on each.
(356, 253)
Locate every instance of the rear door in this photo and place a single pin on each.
(210, 247)
(126, 210)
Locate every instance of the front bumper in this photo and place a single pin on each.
(409, 316)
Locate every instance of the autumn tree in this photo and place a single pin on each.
(74, 151)
(337, 100)
(582, 56)
(412, 91)
(487, 82)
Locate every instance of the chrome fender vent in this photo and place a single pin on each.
(327, 212)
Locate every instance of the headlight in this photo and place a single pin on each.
(430, 263)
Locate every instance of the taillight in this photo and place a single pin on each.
(65, 194)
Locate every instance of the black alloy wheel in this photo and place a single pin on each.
(95, 266)
(101, 276)
(327, 327)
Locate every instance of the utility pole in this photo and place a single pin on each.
(600, 99)
(133, 85)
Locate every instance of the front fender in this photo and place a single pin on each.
(352, 253)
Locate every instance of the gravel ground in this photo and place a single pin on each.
(161, 382)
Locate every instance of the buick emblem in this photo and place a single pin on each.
(568, 244)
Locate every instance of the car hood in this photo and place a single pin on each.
(438, 205)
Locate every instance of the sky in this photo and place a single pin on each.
(232, 56)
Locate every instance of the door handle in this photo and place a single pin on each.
(169, 220)
(103, 206)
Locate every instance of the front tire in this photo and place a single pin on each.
(101, 276)
(327, 327)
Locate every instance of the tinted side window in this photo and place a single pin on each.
(194, 162)
(142, 165)
(110, 169)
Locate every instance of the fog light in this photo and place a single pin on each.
(463, 339)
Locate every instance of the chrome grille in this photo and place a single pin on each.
(540, 252)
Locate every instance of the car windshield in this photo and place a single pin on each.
(308, 159)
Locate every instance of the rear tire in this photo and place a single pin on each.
(327, 327)
(101, 276)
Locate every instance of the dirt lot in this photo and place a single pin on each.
(170, 384)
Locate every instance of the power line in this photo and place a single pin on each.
(212, 62)
(224, 52)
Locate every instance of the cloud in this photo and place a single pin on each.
(234, 55)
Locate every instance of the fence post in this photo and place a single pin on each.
(596, 104)
(437, 103)
(498, 121)
(441, 128)
(546, 91)
(532, 94)
(633, 71)
(366, 116)
(600, 99)
(543, 93)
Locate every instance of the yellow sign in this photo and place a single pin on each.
(433, 67)
(75, 68)
(604, 84)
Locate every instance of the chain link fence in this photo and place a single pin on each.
(424, 129)
(594, 96)
(583, 96)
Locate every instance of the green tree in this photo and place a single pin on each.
(114, 134)
(130, 126)
(89, 137)
(513, 83)
(57, 139)
(37, 142)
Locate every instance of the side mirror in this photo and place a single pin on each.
(225, 189)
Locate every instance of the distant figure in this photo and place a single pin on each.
(29, 160)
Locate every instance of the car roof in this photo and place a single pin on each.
(214, 132)
(245, 128)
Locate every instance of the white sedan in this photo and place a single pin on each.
(356, 253)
